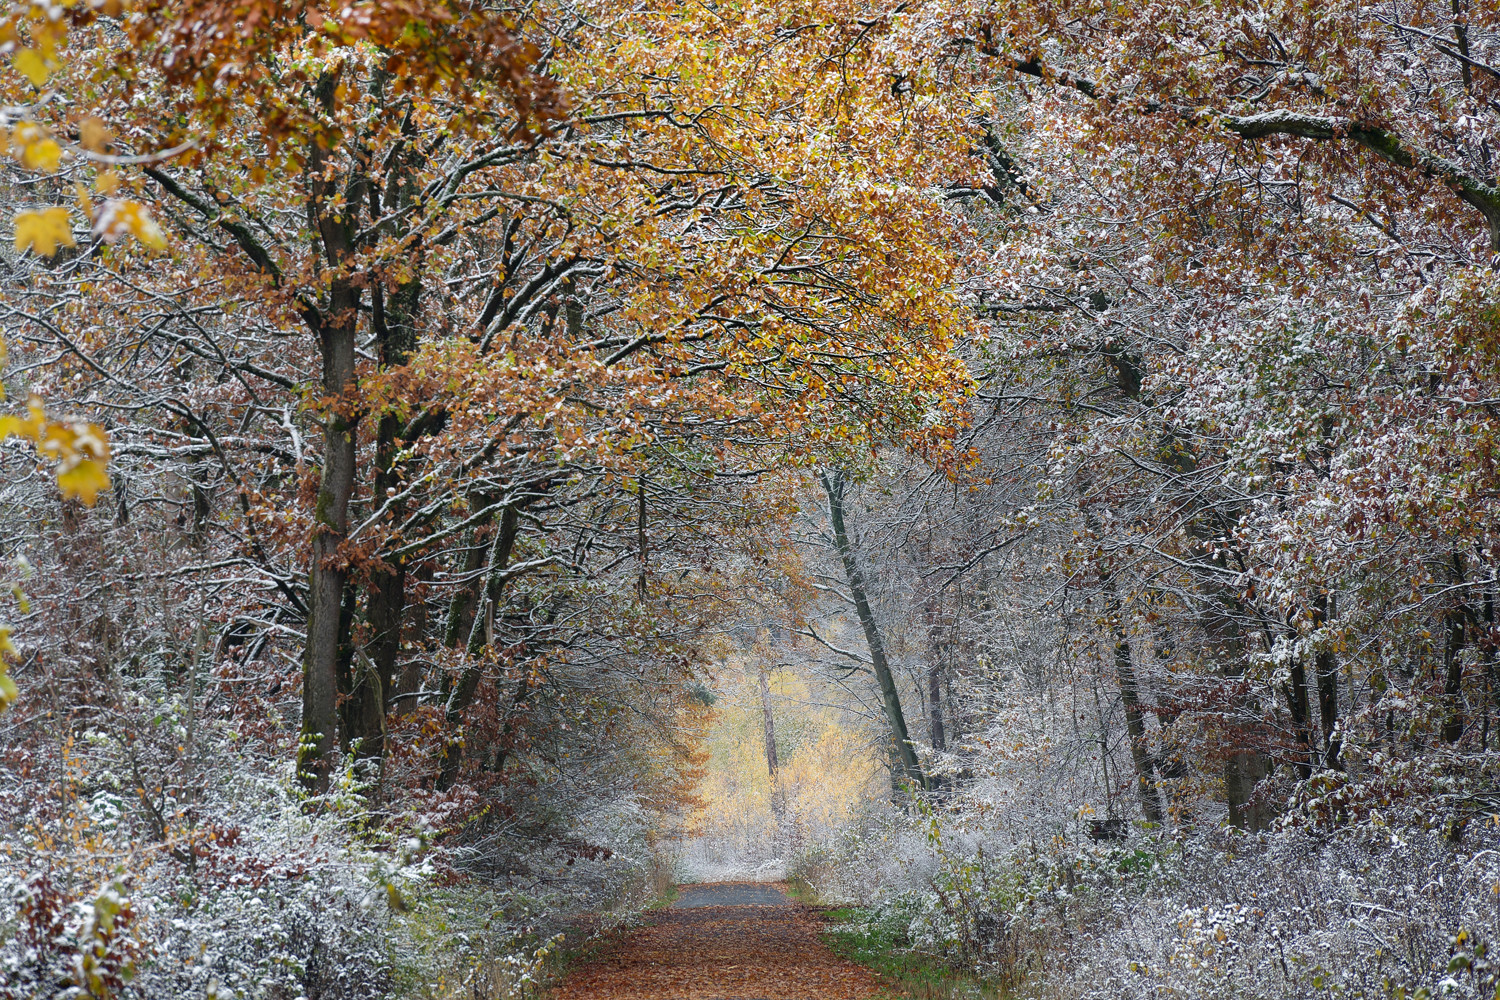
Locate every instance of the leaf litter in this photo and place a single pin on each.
(723, 952)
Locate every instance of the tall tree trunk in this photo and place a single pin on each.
(1135, 721)
(1487, 653)
(935, 705)
(935, 650)
(462, 695)
(395, 330)
(1326, 664)
(1220, 615)
(833, 485)
(407, 694)
(778, 801)
(327, 572)
(1243, 771)
(465, 601)
(1244, 766)
(1298, 704)
(1453, 661)
(640, 534)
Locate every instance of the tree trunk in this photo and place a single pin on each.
(408, 687)
(1242, 772)
(1487, 653)
(833, 485)
(1453, 662)
(465, 602)
(1135, 721)
(462, 695)
(327, 573)
(386, 599)
(778, 801)
(640, 534)
(1297, 703)
(935, 706)
(1325, 663)
(1244, 767)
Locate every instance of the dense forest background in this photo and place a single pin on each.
(1025, 467)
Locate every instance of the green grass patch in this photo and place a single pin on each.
(880, 945)
(799, 891)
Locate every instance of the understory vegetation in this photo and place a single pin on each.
(1217, 915)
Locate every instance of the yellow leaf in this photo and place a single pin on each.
(393, 897)
(107, 183)
(30, 64)
(84, 481)
(43, 231)
(36, 150)
(81, 450)
(28, 427)
(94, 134)
(120, 216)
(44, 156)
(8, 691)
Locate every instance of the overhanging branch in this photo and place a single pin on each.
(1384, 143)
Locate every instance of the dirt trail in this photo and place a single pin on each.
(723, 941)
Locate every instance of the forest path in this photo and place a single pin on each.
(724, 941)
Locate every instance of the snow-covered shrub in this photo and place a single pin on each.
(251, 896)
(1290, 916)
(877, 857)
(1371, 912)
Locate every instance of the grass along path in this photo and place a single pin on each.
(854, 934)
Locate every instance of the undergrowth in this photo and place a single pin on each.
(665, 898)
(880, 943)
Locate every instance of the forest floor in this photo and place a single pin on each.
(724, 941)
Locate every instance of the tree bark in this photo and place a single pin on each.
(640, 534)
(1244, 767)
(462, 695)
(1243, 771)
(465, 602)
(935, 706)
(1135, 721)
(1453, 662)
(1487, 652)
(833, 485)
(327, 571)
(1297, 703)
(773, 766)
(395, 330)
(327, 574)
(1326, 665)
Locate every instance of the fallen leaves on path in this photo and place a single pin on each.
(723, 953)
